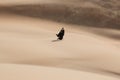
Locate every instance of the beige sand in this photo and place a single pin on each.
(19, 72)
(29, 50)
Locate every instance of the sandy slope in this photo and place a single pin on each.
(19, 72)
(26, 41)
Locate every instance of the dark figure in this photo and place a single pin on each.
(61, 34)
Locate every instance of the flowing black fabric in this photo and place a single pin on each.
(61, 34)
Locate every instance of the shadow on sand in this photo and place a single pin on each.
(56, 40)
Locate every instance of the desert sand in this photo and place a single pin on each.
(29, 50)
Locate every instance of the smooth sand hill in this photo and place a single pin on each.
(26, 44)
(21, 72)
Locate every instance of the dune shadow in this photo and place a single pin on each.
(112, 72)
(78, 15)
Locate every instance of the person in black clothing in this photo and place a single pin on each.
(61, 34)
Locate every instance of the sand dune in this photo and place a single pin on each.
(34, 72)
(92, 13)
(29, 48)
(27, 41)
